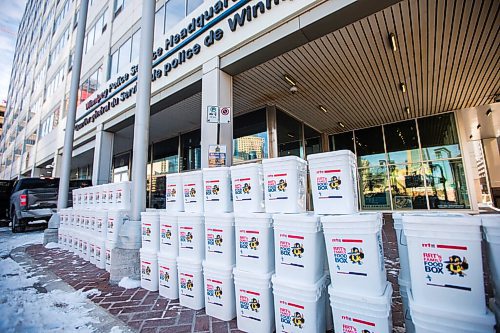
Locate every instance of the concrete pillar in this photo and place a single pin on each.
(272, 131)
(103, 156)
(35, 172)
(57, 163)
(217, 90)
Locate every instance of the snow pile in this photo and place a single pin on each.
(8, 241)
(52, 245)
(115, 329)
(128, 283)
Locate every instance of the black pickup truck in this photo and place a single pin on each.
(5, 190)
(35, 199)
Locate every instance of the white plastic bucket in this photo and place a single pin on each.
(92, 222)
(254, 242)
(92, 251)
(404, 263)
(174, 200)
(90, 197)
(191, 287)
(74, 195)
(298, 245)
(219, 291)
(85, 247)
(111, 197)
(217, 190)
(116, 218)
(167, 276)
(101, 223)
(285, 180)
(299, 307)
(85, 197)
(445, 262)
(355, 252)
(361, 313)
(150, 222)
(71, 219)
(121, 195)
(105, 203)
(254, 302)
(191, 233)
(247, 182)
(169, 239)
(334, 182)
(491, 230)
(100, 253)
(192, 185)
(60, 237)
(440, 320)
(404, 286)
(149, 269)
(110, 245)
(98, 196)
(219, 238)
(76, 219)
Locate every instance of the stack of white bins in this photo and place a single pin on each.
(150, 223)
(219, 244)
(191, 242)
(254, 250)
(447, 289)
(491, 231)
(360, 296)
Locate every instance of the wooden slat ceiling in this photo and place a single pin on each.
(447, 56)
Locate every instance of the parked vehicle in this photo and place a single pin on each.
(34, 199)
(5, 191)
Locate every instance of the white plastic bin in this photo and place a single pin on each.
(74, 195)
(192, 185)
(191, 287)
(298, 307)
(85, 247)
(404, 286)
(298, 247)
(121, 195)
(285, 180)
(441, 320)
(361, 313)
(191, 233)
(355, 252)
(105, 203)
(491, 230)
(110, 195)
(167, 273)
(149, 269)
(150, 222)
(254, 242)
(254, 302)
(247, 182)
(169, 238)
(334, 182)
(92, 222)
(100, 253)
(98, 196)
(219, 238)
(90, 197)
(174, 195)
(446, 263)
(110, 245)
(219, 291)
(404, 264)
(101, 223)
(116, 218)
(217, 190)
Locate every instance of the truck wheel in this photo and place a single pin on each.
(17, 225)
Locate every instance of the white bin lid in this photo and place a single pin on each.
(189, 264)
(490, 220)
(353, 223)
(192, 173)
(256, 216)
(332, 154)
(218, 169)
(218, 270)
(257, 280)
(246, 166)
(167, 257)
(299, 291)
(280, 160)
(306, 222)
(363, 302)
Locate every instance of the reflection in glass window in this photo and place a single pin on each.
(159, 22)
(136, 43)
(124, 56)
(250, 140)
(439, 137)
(342, 141)
(312, 140)
(447, 185)
(407, 186)
(193, 4)
(289, 132)
(402, 142)
(166, 156)
(120, 167)
(176, 11)
(191, 150)
(373, 188)
(370, 146)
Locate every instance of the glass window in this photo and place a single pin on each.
(124, 56)
(370, 147)
(402, 142)
(407, 186)
(439, 137)
(193, 4)
(289, 135)
(119, 4)
(374, 188)
(250, 137)
(166, 156)
(120, 167)
(191, 150)
(447, 185)
(159, 22)
(176, 11)
(342, 141)
(312, 140)
(114, 64)
(136, 41)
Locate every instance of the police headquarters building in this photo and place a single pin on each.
(410, 87)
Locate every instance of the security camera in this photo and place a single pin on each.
(293, 90)
(497, 98)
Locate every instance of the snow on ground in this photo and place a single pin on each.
(25, 304)
(52, 245)
(128, 283)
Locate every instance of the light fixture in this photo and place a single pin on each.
(290, 135)
(489, 112)
(402, 86)
(407, 110)
(341, 125)
(392, 40)
(478, 126)
(290, 80)
(322, 108)
(470, 136)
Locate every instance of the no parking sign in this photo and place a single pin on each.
(224, 115)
